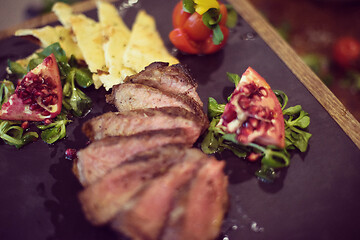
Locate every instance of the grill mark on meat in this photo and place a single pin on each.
(131, 96)
(99, 157)
(135, 121)
(174, 79)
(103, 199)
(146, 215)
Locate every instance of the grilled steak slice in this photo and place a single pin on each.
(146, 215)
(135, 121)
(103, 199)
(130, 96)
(175, 79)
(99, 157)
(205, 204)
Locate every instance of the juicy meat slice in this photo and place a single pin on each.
(148, 212)
(103, 199)
(207, 203)
(135, 121)
(174, 79)
(131, 96)
(198, 214)
(99, 157)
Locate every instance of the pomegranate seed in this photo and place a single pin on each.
(47, 100)
(27, 100)
(47, 121)
(34, 106)
(263, 92)
(252, 157)
(253, 122)
(244, 102)
(44, 92)
(54, 99)
(229, 113)
(246, 90)
(261, 113)
(70, 154)
(45, 113)
(25, 125)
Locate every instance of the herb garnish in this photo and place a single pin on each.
(296, 137)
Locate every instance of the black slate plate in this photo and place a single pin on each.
(317, 197)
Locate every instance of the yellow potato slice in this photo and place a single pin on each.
(49, 35)
(116, 35)
(145, 44)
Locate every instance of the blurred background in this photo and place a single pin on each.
(324, 33)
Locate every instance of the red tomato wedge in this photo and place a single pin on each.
(37, 96)
(254, 113)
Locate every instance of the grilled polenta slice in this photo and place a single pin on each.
(145, 44)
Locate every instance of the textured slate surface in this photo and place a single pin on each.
(315, 198)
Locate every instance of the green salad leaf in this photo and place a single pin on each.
(56, 130)
(13, 134)
(6, 90)
(16, 68)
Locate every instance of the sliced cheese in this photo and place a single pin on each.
(145, 44)
(49, 35)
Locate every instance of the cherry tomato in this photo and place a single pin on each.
(346, 51)
(179, 16)
(182, 42)
(195, 28)
(191, 35)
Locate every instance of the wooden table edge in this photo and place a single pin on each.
(307, 77)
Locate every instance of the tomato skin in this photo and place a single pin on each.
(179, 16)
(209, 47)
(191, 35)
(223, 12)
(195, 28)
(346, 51)
(182, 42)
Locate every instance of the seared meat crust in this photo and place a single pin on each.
(135, 121)
(101, 156)
(175, 79)
(130, 96)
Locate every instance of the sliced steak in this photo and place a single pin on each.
(130, 96)
(101, 156)
(174, 79)
(205, 204)
(135, 121)
(146, 215)
(103, 199)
